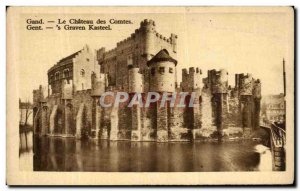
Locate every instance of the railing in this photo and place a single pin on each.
(277, 144)
(278, 134)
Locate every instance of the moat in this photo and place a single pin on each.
(68, 154)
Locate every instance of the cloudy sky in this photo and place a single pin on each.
(239, 41)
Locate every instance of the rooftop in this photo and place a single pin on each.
(162, 55)
(69, 57)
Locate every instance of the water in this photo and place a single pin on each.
(26, 151)
(68, 154)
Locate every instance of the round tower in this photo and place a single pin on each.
(162, 72)
(98, 83)
(148, 28)
(135, 80)
(246, 84)
(220, 82)
(257, 89)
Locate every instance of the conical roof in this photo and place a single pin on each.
(162, 55)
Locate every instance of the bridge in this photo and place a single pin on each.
(277, 143)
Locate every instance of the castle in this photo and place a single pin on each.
(144, 62)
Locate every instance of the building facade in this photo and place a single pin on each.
(144, 62)
(273, 108)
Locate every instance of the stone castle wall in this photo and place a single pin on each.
(219, 111)
(137, 49)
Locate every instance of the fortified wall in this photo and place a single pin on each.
(145, 62)
(136, 50)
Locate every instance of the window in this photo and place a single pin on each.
(129, 60)
(152, 71)
(66, 73)
(57, 76)
(161, 70)
(51, 78)
(171, 70)
(82, 73)
(87, 59)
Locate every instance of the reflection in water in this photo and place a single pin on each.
(55, 154)
(68, 154)
(265, 158)
(25, 151)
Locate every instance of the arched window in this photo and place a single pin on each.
(57, 76)
(66, 73)
(82, 73)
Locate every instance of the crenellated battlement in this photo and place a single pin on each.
(110, 53)
(147, 22)
(191, 79)
(146, 62)
(99, 83)
(192, 70)
(98, 77)
(100, 55)
(244, 83)
(151, 39)
(125, 41)
(218, 80)
(170, 40)
(39, 95)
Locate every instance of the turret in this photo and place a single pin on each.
(147, 24)
(192, 80)
(39, 95)
(147, 28)
(162, 72)
(244, 83)
(219, 81)
(174, 42)
(257, 89)
(135, 80)
(100, 55)
(99, 83)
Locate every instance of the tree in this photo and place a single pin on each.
(28, 110)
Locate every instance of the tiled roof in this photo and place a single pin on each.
(162, 55)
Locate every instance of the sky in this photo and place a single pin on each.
(241, 42)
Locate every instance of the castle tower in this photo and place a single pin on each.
(67, 96)
(140, 46)
(135, 81)
(99, 83)
(192, 82)
(219, 86)
(162, 79)
(162, 72)
(256, 99)
(147, 27)
(245, 85)
(40, 111)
